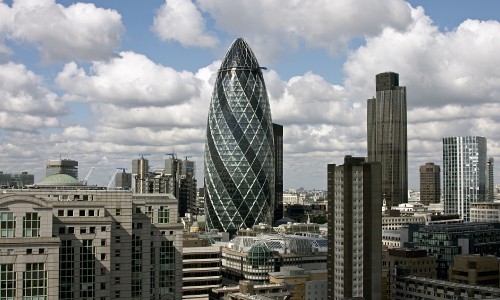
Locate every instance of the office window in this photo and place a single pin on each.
(163, 214)
(103, 228)
(70, 212)
(118, 212)
(60, 213)
(91, 212)
(117, 239)
(83, 230)
(117, 253)
(103, 242)
(31, 225)
(35, 281)
(7, 225)
(7, 281)
(66, 270)
(87, 269)
(148, 210)
(71, 229)
(92, 229)
(82, 213)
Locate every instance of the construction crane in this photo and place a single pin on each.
(143, 154)
(113, 177)
(84, 181)
(173, 154)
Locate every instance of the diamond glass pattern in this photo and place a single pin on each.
(239, 161)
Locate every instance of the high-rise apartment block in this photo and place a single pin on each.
(430, 183)
(354, 229)
(239, 150)
(387, 140)
(464, 173)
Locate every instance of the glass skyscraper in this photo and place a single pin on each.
(387, 140)
(239, 150)
(464, 173)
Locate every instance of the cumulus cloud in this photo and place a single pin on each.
(76, 132)
(80, 31)
(439, 68)
(180, 20)
(273, 26)
(130, 80)
(25, 103)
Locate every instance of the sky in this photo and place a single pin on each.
(105, 81)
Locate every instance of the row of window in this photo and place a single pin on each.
(31, 225)
(34, 281)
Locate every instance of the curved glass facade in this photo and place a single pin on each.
(239, 159)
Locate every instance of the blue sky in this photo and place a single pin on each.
(101, 81)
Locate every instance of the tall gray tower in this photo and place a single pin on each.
(239, 150)
(387, 141)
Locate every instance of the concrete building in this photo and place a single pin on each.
(387, 140)
(62, 166)
(485, 212)
(475, 270)
(430, 183)
(253, 258)
(411, 287)
(239, 148)
(307, 285)
(248, 290)
(444, 241)
(354, 229)
(464, 174)
(16, 180)
(201, 270)
(416, 261)
(89, 243)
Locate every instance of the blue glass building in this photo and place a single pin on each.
(239, 150)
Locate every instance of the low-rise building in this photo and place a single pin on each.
(408, 287)
(253, 258)
(485, 212)
(306, 285)
(475, 270)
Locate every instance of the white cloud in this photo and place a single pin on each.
(180, 20)
(76, 132)
(129, 80)
(273, 25)
(25, 103)
(439, 68)
(80, 31)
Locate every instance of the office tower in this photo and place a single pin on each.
(464, 173)
(387, 142)
(187, 188)
(140, 170)
(62, 166)
(354, 229)
(430, 183)
(491, 179)
(239, 158)
(278, 172)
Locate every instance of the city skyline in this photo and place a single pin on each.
(113, 79)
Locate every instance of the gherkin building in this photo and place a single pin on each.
(239, 161)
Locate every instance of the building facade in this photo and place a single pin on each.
(387, 136)
(476, 269)
(354, 229)
(491, 179)
(485, 212)
(239, 150)
(430, 183)
(464, 174)
(77, 242)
